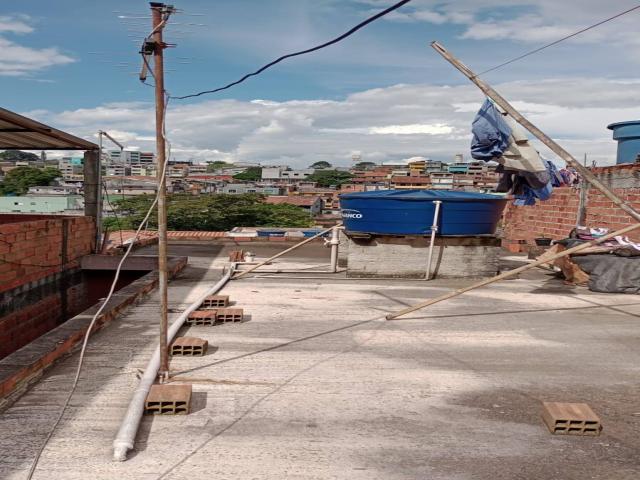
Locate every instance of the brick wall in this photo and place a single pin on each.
(39, 247)
(557, 216)
(38, 311)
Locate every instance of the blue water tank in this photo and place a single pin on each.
(628, 136)
(410, 212)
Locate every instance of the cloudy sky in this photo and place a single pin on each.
(383, 93)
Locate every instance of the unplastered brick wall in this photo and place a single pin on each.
(557, 216)
(34, 313)
(39, 247)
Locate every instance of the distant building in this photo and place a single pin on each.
(130, 157)
(417, 166)
(143, 170)
(458, 167)
(241, 188)
(296, 175)
(329, 196)
(71, 166)
(118, 170)
(282, 174)
(62, 204)
(411, 182)
(313, 205)
(54, 190)
(197, 168)
(441, 181)
(435, 166)
(180, 170)
(271, 173)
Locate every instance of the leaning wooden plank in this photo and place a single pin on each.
(514, 272)
(555, 148)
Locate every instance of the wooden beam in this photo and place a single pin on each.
(513, 272)
(539, 134)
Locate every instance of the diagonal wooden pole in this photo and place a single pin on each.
(513, 272)
(558, 150)
(553, 146)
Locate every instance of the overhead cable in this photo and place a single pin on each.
(520, 57)
(302, 52)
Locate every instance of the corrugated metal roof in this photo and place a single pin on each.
(22, 133)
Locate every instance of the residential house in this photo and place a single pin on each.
(411, 182)
(313, 205)
(56, 204)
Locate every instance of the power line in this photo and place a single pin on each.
(115, 213)
(143, 223)
(520, 57)
(302, 52)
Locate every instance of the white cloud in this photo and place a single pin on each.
(383, 124)
(524, 20)
(19, 60)
(414, 129)
(15, 24)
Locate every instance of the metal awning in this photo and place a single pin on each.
(22, 133)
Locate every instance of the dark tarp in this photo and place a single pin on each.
(610, 273)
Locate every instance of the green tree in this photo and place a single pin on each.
(19, 179)
(364, 165)
(251, 174)
(320, 165)
(327, 178)
(219, 212)
(217, 165)
(18, 156)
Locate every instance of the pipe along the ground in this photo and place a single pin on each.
(125, 439)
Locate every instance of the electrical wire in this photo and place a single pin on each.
(520, 57)
(34, 465)
(302, 52)
(115, 213)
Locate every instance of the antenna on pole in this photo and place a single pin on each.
(154, 45)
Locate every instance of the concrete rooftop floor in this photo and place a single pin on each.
(316, 385)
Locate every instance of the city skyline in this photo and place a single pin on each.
(383, 92)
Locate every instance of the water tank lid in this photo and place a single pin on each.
(423, 195)
(613, 126)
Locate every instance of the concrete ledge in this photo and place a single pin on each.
(110, 262)
(24, 367)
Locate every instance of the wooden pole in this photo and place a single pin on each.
(157, 10)
(553, 146)
(513, 272)
(284, 252)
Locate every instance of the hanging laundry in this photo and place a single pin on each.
(627, 243)
(533, 186)
(556, 179)
(491, 133)
(498, 137)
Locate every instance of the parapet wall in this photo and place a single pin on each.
(35, 247)
(557, 216)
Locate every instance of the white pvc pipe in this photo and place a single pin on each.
(335, 241)
(434, 230)
(125, 439)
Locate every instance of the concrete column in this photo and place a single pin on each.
(92, 187)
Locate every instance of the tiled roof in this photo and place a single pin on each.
(292, 200)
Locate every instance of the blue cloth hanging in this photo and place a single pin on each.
(490, 133)
(530, 194)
